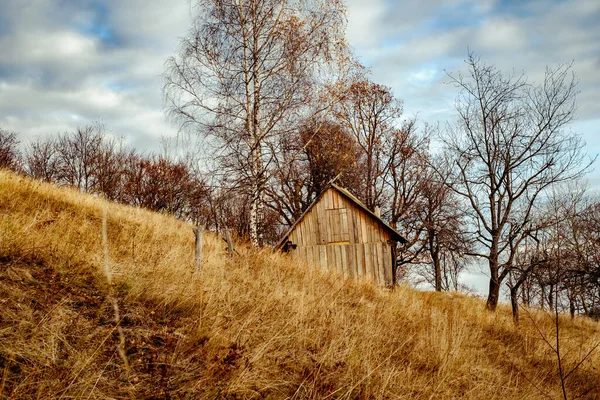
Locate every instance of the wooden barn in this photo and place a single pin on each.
(338, 232)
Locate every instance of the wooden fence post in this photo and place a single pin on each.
(198, 234)
(228, 240)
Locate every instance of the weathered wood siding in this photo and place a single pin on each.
(339, 235)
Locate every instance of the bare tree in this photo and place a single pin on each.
(445, 227)
(245, 73)
(509, 146)
(406, 156)
(311, 158)
(371, 113)
(40, 160)
(77, 156)
(9, 154)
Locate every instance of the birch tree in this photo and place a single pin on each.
(247, 72)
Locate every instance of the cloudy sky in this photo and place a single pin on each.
(69, 62)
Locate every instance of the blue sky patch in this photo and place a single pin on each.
(95, 22)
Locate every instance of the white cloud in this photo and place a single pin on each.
(501, 34)
(363, 24)
(64, 63)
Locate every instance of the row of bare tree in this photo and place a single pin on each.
(92, 162)
(558, 265)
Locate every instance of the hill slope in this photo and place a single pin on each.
(251, 326)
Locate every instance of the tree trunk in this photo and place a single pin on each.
(494, 288)
(514, 302)
(543, 297)
(437, 271)
(586, 310)
(394, 263)
(256, 206)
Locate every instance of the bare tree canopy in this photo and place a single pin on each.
(510, 144)
(9, 154)
(245, 74)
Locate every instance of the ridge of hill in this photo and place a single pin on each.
(254, 325)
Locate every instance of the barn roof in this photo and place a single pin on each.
(395, 235)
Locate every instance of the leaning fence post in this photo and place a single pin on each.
(198, 234)
(228, 240)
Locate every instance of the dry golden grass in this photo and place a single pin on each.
(256, 325)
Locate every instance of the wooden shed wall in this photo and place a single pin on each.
(337, 234)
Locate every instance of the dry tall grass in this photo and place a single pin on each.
(255, 325)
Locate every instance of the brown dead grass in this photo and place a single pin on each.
(256, 325)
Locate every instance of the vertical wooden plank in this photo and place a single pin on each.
(375, 261)
(306, 231)
(360, 268)
(315, 229)
(299, 232)
(344, 229)
(331, 221)
(298, 235)
(369, 273)
(330, 258)
(336, 258)
(309, 241)
(356, 224)
(335, 197)
(307, 255)
(327, 228)
(329, 199)
(317, 256)
(376, 226)
(323, 256)
(305, 252)
(318, 223)
(351, 260)
(381, 263)
(341, 200)
(387, 262)
(339, 259)
(369, 259)
(345, 264)
(363, 227)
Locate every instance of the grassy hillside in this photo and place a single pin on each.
(255, 325)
